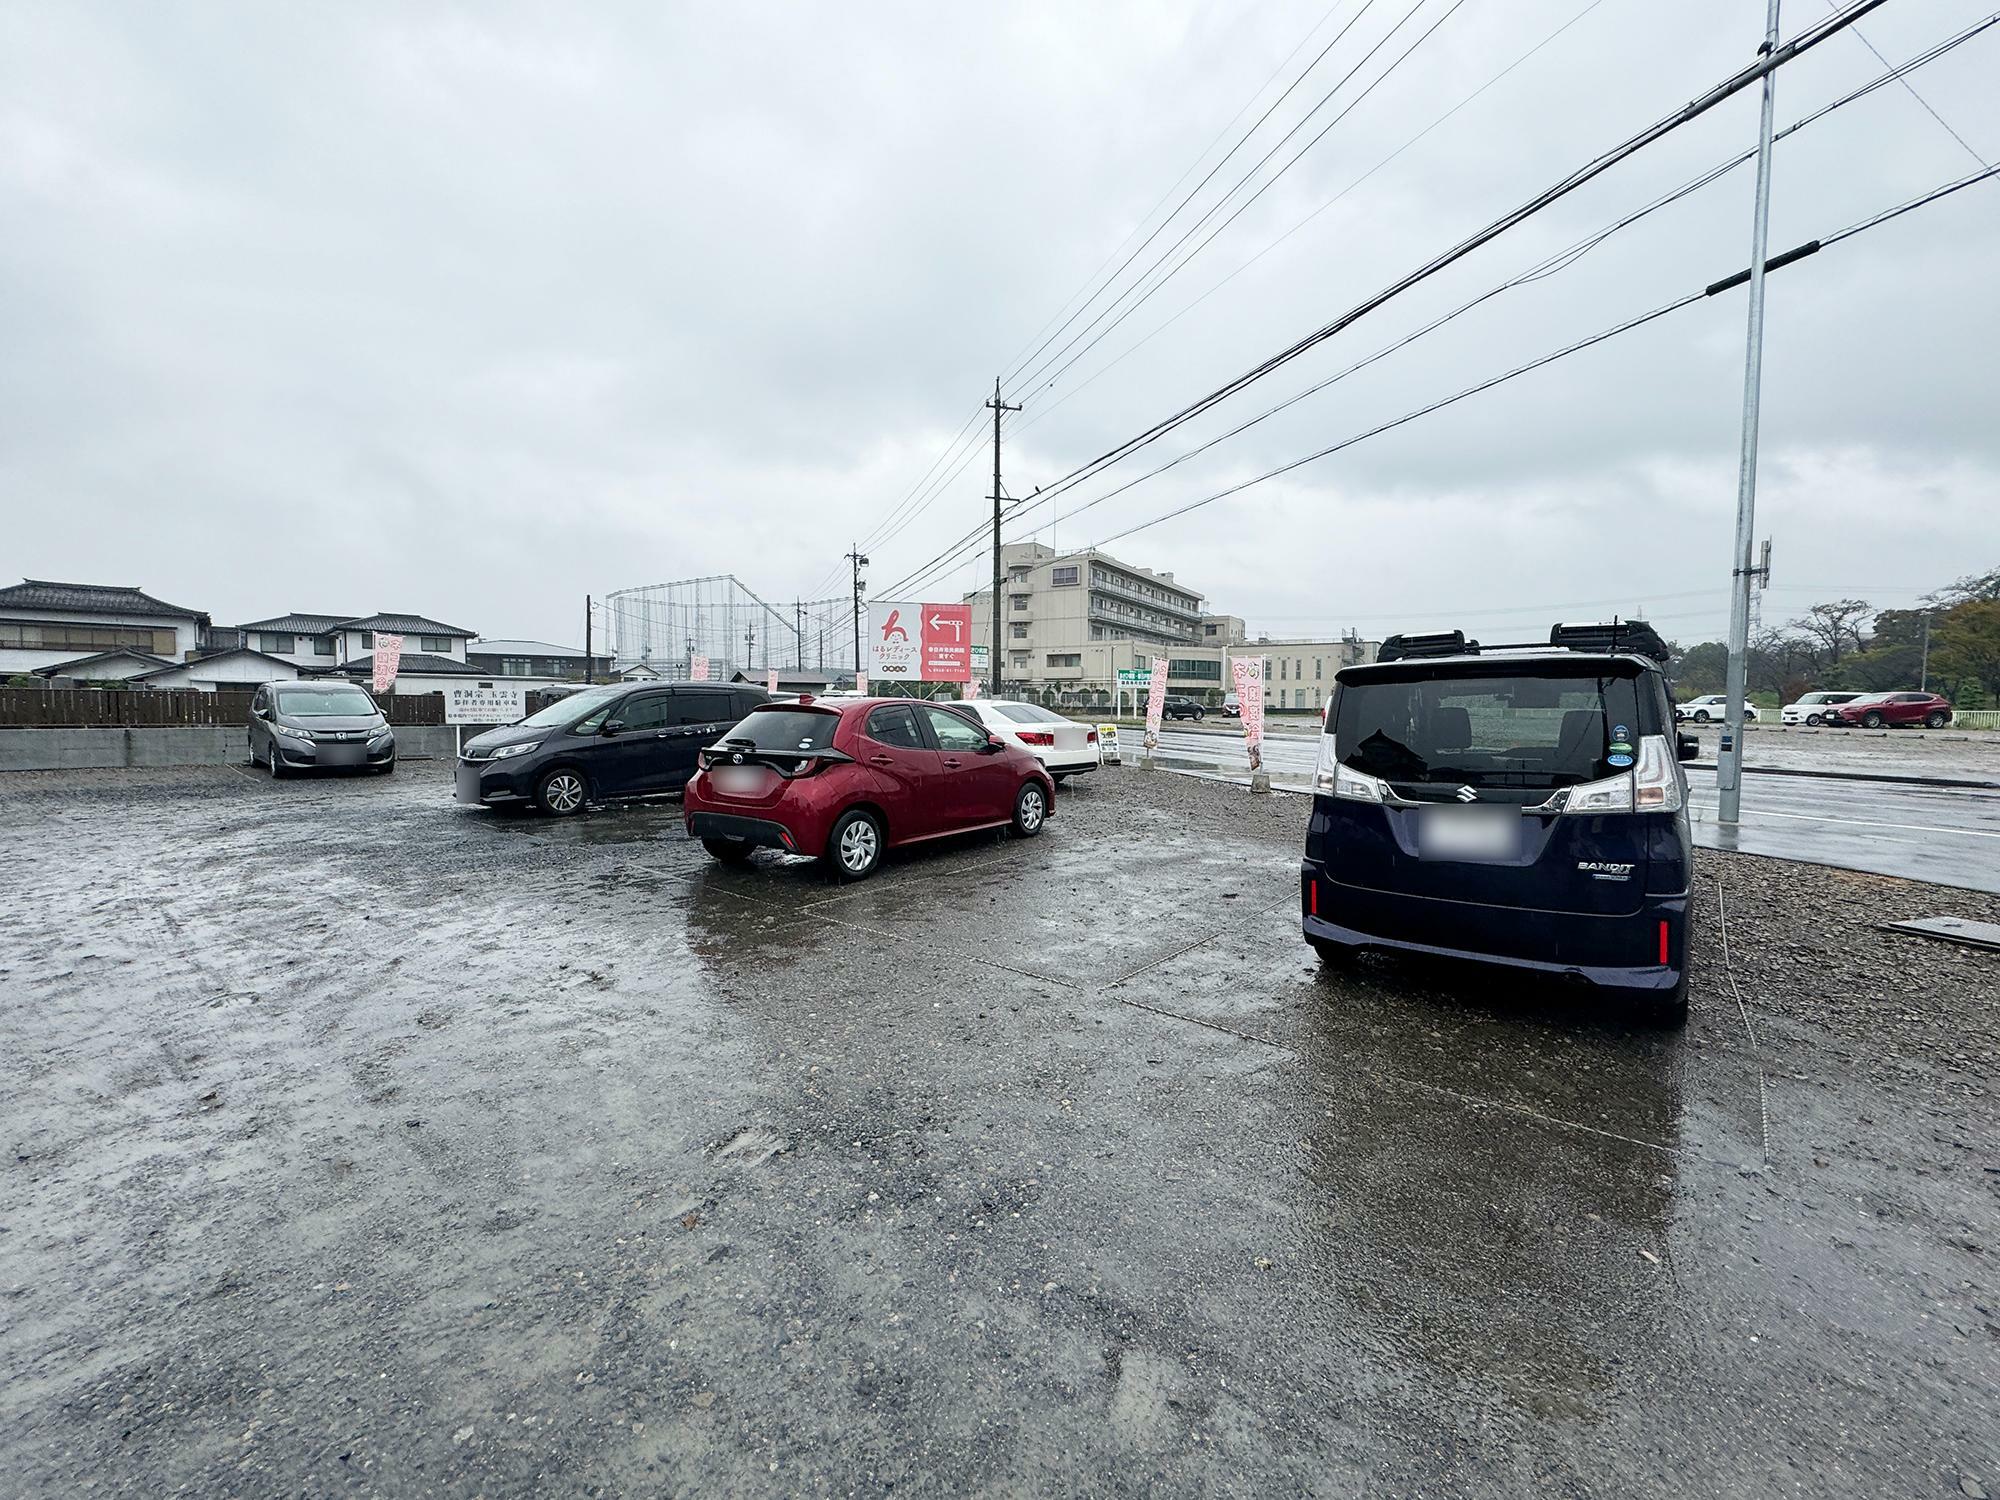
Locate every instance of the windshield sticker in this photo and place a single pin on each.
(1621, 733)
(1619, 760)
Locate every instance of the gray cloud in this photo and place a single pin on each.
(476, 309)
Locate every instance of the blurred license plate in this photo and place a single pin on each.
(1469, 833)
(741, 781)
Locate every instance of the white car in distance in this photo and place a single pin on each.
(1811, 709)
(1063, 746)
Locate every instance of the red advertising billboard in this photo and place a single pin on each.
(947, 643)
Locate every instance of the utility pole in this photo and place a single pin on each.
(586, 640)
(749, 648)
(1729, 756)
(856, 563)
(1924, 670)
(993, 662)
(799, 634)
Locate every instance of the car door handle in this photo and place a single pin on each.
(951, 763)
(881, 760)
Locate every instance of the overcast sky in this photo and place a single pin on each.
(475, 310)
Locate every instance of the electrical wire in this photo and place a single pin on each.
(949, 559)
(1776, 58)
(1034, 376)
(1603, 335)
(1208, 176)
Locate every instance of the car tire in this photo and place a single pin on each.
(1872, 720)
(1333, 955)
(562, 792)
(729, 851)
(1669, 1011)
(275, 760)
(854, 847)
(1701, 716)
(1813, 720)
(1031, 809)
(1937, 718)
(386, 768)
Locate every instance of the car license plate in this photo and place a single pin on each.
(741, 781)
(1476, 833)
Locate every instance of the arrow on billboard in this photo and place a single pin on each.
(938, 622)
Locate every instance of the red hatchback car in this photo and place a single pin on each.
(847, 780)
(1878, 710)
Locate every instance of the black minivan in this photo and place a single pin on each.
(619, 740)
(1517, 805)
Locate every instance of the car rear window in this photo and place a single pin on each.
(784, 729)
(1499, 729)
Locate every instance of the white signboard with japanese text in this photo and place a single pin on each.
(485, 703)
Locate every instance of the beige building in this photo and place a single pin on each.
(1072, 620)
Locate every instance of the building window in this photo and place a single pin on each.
(272, 643)
(1299, 668)
(1019, 632)
(1018, 659)
(437, 645)
(1208, 630)
(1015, 575)
(516, 666)
(51, 635)
(1195, 669)
(1065, 659)
(322, 645)
(1281, 669)
(1018, 601)
(1064, 578)
(368, 639)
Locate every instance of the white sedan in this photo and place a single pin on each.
(1063, 746)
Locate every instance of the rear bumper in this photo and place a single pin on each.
(758, 831)
(1623, 951)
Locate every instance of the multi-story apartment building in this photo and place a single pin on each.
(1073, 617)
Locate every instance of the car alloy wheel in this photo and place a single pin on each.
(1813, 720)
(856, 845)
(561, 793)
(1937, 718)
(1701, 716)
(277, 761)
(1872, 721)
(1031, 806)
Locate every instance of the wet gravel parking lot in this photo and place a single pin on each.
(358, 1143)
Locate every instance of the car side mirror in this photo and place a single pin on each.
(614, 726)
(993, 743)
(1688, 746)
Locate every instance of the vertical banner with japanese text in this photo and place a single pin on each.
(388, 657)
(697, 669)
(1248, 675)
(1156, 702)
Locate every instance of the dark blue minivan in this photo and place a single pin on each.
(1517, 805)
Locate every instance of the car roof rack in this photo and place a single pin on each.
(1603, 637)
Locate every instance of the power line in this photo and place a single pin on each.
(1033, 377)
(1921, 100)
(1549, 265)
(1778, 262)
(1207, 176)
(1273, 244)
(1768, 62)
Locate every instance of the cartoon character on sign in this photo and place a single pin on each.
(891, 629)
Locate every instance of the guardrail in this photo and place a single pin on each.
(1976, 718)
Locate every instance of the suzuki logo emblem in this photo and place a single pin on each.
(1467, 794)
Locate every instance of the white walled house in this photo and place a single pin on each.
(434, 654)
(45, 624)
(240, 668)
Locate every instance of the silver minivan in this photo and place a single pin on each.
(309, 726)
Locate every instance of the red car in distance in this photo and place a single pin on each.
(1881, 710)
(846, 780)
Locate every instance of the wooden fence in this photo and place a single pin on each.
(87, 708)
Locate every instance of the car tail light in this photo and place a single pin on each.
(1651, 786)
(1090, 736)
(804, 767)
(1037, 736)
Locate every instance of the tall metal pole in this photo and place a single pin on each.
(1729, 757)
(1924, 671)
(993, 663)
(586, 639)
(858, 562)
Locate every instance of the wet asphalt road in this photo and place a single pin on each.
(359, 1143)
(1946, 834)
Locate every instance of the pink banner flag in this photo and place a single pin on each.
(1156, 701)
(388, 657)
(861, 683)
(697, 669)
(771, 683)
(1248, 674)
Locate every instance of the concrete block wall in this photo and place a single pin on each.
(177, 745)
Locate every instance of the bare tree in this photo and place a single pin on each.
(1834, 628)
